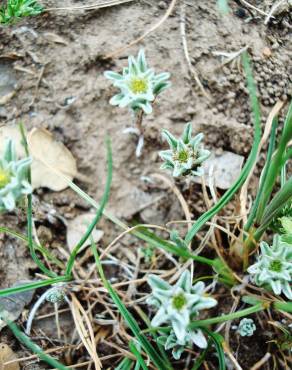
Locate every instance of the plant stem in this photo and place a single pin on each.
(232, 316)
(34, 285)
(98, 213)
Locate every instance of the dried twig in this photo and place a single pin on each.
(99, 5)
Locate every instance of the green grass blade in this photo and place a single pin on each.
(275, 166)
(133, 325)
(249, 163)
(38, 247)
(217, 340)
(99, 212)
(199, 361)
(31, 244)
(231, 316)
(255, 205)
(35, 285)
(138, 356)
(125, 364)
(33, 347)
(282, 197)
(283, 306)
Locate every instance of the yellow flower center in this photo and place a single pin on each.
(179, 301)
(4, 178)
(138, 85)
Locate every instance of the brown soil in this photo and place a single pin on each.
(57, 62)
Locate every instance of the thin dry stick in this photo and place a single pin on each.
(153, 28)
(92, 6)
(34, 357)
(87, 336)
(186, 51)
(253, 7)
(243, 194)
(261, 362)
(272, 11)
(232, 358)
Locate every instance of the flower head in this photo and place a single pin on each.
(13, 178)
(246, 327)
(274, 267)
(138, 84)
(186, 154)
(177, 305)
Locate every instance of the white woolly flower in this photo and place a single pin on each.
(186, 154)
(178, 305)
(274, 267)
(138, 84)
(13, 178)
(246, 327)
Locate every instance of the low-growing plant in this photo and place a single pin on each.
(16, 9)
(176, 324)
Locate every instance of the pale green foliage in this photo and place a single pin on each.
(15, 9)
(177, 305)
(186, 154)
(139, 84)
(274, 267)
(13, 178)
(282, 224)
(246, 327)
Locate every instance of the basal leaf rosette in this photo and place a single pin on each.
(138, 84)
(186, 154)
(177, 305)
(246, 327)
(273, 268)
(13, 178)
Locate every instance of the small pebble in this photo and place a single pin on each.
(162, 5)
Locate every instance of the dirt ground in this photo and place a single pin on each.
(56, 61)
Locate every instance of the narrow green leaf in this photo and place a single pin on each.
(217, 340)
(125, 364)
(275, 166)
(249, 163)
(99, 212)
(282, 197)
(31, 244)
(264, 174)
(138, 356)
(133, 325)
(38, 247)
(283, 306)
(35, 285)
(33, 347)
(231, 316)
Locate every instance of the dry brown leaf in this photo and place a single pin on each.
(77, 227)
(7, 355)
(44, 150)
(52, 37)
(50, 158)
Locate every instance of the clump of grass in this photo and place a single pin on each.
(16, 9)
